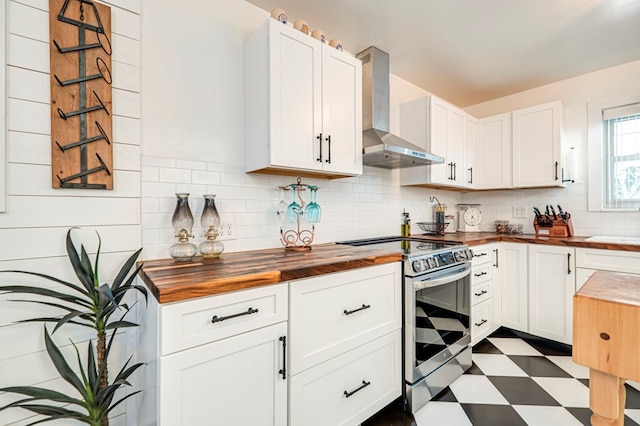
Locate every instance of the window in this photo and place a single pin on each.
(621, 139)
(614, 155)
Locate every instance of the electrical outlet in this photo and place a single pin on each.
(519, 212)
(227, 231)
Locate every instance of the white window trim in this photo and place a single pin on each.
(596, 147)
(3, 105)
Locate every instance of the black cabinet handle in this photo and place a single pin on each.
(556, 178)
(319, 137)
(484, 253)
(480, 323)
(480, 274)
(450, 171)
(481, 293)
(329, 149)
(364, 385)
(283, 370)
(496, 252)
(249, 311)
(455, 174)
(356, 310)
(568, 263)
(470, 174)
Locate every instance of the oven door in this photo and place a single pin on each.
(437, 316)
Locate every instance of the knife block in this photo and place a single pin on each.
(554, 227)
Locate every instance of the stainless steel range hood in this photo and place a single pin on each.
(381, 148)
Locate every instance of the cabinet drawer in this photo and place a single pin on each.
(608, 260)
(369, 374)
(481, 255)
(480, 318)
(480, 292)
(334, 313)
(482, 273)
(204, 320)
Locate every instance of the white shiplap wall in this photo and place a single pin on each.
(37, 217)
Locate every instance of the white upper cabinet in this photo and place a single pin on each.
(537, 151)
(303, 105)
(471, 153)
(440, 128)
(494, 152)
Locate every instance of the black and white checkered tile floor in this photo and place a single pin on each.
(513, 382)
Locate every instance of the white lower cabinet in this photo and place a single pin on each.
(514, 281)
(234, 381)
(348, 389)
(589, 261)
(551, 290)
(345, 353)
(485, 298)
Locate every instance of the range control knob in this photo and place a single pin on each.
(418, 266)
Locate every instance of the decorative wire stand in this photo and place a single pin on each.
(298, 239)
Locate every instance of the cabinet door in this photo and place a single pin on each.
(513, 283)
(438, 112)
(342, 112)
(471, 154)
(456, 131)
(295, 103)
(551, 290)
(536, 146)
(494, 153)
(235, 381)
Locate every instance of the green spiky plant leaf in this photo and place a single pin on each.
(88, 304)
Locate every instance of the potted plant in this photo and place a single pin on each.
(100, 307)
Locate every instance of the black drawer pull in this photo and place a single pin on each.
(356, 310)
(216, 318)
(481, 254)
(283, 370)
(481, 293)
(480, 274)
(481, 322)
(364, 385)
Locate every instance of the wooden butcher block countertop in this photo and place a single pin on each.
(172, 281)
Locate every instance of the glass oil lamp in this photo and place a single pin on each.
(210, 222)
(182, 222)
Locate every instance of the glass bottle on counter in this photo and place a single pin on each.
(405, 225)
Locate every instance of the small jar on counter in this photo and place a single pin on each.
(502, 226)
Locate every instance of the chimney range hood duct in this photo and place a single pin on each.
(381, 148)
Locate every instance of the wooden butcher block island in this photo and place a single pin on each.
(606, 338)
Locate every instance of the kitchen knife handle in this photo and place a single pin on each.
(556, 178)
(319, 137)
(283, 371)
(328, 160)
(568, 263)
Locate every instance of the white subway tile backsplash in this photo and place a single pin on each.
(205, 177)
(232, 179)
(148, 160)
(177, 176)
(158, 189)
(191, 165)
(196, 191)
(150, 205)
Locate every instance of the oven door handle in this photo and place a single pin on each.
(418, 285)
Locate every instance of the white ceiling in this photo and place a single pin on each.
(470, 51)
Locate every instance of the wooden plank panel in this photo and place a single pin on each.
(126, 130)
(35, 243)
(32, 180)
(28, 22)
(126, 157)
(92, 162)
(29, 148)
(28, 85)
(126, 50)
(126, 103)
(27, 53)
(126, 23)
(26, 116)
(27, 212)
(126, 77)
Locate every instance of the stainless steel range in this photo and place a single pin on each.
(437, 343)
